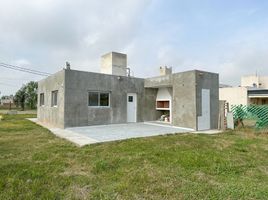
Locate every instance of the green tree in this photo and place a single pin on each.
(31, 94)
(20, 97)
(27, 95)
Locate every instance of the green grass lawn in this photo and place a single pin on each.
(34, 164)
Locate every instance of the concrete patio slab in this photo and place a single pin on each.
(114, 132)
(105, 133)
(78, 139)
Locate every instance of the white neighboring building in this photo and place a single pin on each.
(253, 90)
(234, 95)
(255, 81)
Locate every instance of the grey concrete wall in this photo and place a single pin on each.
(53, 116)
(79, 83)
(73, 87)
(149, 100)
(183, 85)
(184, 99)
(159, 81)
(208, 80)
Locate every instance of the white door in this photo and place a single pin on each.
(204, 119)
(131, 107)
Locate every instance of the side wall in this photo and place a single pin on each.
(234, 95)
(210, 81)
(183, 102)
(77, 86)
(53, 116)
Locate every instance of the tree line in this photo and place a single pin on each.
(26, 96)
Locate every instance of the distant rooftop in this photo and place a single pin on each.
(224, 86)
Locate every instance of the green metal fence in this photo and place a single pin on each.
(255, 112)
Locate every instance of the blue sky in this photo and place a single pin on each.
(227, 37)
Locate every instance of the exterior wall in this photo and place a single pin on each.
(106, 64)
(149, 111)
(210, 81)
(263, 82)
(260, 81)
(234, 95)
(248, 81)
(119, 64)
(53, 116)
(184, 100)
(114, 63)
(77, 86)
(159, 81)
(73, 87)
(186, 96)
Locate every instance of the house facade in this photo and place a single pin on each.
(76, 98)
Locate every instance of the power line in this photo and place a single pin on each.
(8, 85)
(22, 69)
(14, 78)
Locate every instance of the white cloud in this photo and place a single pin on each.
(43, 34)
(47, 33)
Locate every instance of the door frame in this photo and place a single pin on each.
(136, 104)
(203, 121)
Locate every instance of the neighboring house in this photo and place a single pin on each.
(7, 101)
(253, 90)
(76, 98)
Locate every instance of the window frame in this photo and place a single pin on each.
(99, 94)
(93, 92)
(42, 99)
(52, 99)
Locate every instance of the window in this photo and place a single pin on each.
(130, 98)
(54, 98)
(99, 99)
(104, 99)
(93, 99)
(42, 99)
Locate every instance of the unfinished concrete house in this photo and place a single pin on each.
(71, 98)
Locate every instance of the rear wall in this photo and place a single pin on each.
(79, 83)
